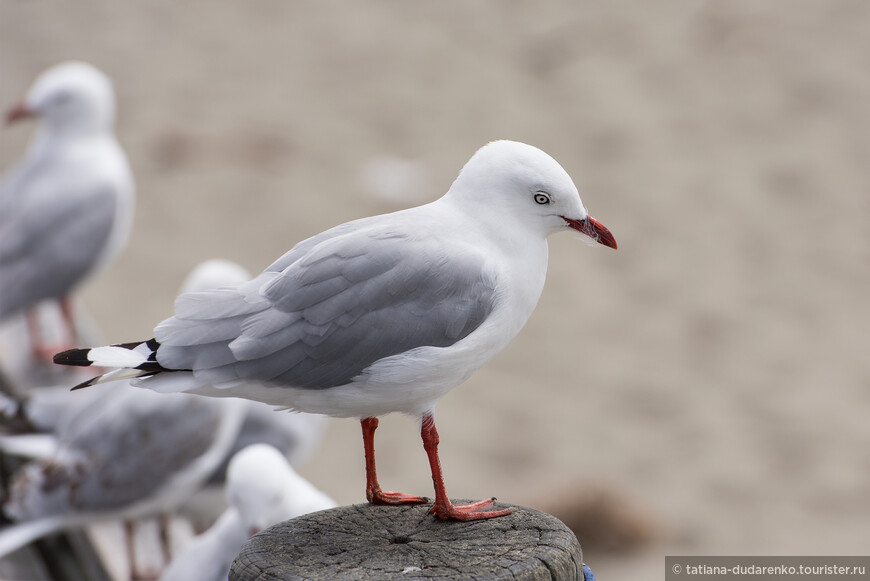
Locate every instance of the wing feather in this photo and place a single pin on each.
(337, 306)
(49, 243)
(198, 331)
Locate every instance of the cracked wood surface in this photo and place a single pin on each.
(368, 542)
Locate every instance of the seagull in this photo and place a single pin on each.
(66, 209)
(132, 453)
(45, 410)
(262, 490)
(382, 314)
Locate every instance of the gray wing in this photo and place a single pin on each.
(153, 440)
(52, 232)
(340, 304)
(120, 453)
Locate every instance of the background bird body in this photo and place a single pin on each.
(262, 490)
(67, 209)
(136, 453)
(121, 452)
(265, 489)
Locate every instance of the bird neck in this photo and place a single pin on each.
(54, 140)
(62, 131)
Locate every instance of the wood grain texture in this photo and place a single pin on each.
(367, 542)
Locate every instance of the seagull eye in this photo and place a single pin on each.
(542, 198)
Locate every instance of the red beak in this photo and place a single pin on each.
(18, 112)
(594, 229)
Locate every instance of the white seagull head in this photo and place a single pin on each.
(259, 485)
(515, 180)
(72, 97)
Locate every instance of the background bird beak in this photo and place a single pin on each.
(18, 112)
(594, 229)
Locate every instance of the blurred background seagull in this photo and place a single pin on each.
(262, 490)
(122, 452)
(379, 315)
(54, 418)
(66, 209)
(136, 453)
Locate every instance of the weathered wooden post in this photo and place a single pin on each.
(369, 542)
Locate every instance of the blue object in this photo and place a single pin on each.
(588, 575)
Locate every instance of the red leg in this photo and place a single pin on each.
(34, 330)
(66, 311)
(374, 494)
(443, 508)
(164, 521)
(135, 574)
(41, 350)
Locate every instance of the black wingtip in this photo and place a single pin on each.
(85, 384)
(73, 357)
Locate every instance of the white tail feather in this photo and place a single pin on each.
(117, 374)
(113, 356)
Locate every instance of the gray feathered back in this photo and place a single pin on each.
(341, 302)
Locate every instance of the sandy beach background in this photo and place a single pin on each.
(711, 376)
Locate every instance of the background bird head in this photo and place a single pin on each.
(72, 97)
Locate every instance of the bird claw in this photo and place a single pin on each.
(465, 512)
(394, 498)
